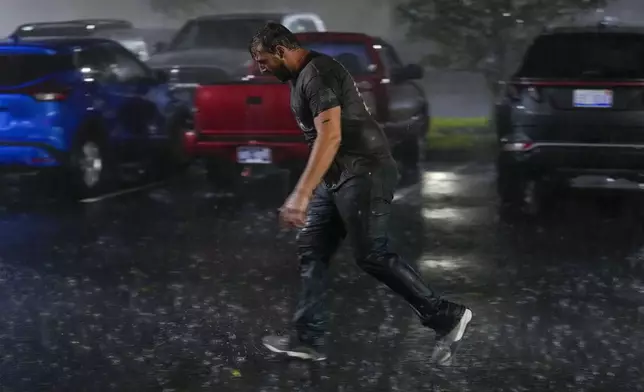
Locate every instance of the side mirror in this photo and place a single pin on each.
(160, 47)
(92, 75)
(408, 72)
(414, 71)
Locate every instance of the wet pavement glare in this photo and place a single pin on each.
(171, 289)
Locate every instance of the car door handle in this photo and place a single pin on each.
(253, 100)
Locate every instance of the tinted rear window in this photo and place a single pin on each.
(17, 69)
(585, 56)
(354, 57)
(229, 34)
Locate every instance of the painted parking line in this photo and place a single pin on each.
(121, 192)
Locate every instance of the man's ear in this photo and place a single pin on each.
(279, 51)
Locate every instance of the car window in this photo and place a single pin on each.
(583, 55)
(217, 33)
(354, 56)
(94, 59)
(301, 25)
(124, 66)
(20, 68)
(389, 57)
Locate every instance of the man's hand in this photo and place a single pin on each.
(293, 212)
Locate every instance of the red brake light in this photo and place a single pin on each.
(44, 92)
(517, 146)
(48, 92)
(49, 96)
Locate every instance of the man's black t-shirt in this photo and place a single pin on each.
(323, 84)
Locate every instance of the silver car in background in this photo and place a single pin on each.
(140, 41)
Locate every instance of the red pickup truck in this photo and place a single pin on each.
(245, 126)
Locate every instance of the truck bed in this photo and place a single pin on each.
(248, 113)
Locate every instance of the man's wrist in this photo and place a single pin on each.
(302, 191)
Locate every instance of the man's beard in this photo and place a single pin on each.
(282, 73)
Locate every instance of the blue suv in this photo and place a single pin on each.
(88, 108)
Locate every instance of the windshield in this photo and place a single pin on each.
(585, 55)
(229, 34)
(17, 69)
(353, 56)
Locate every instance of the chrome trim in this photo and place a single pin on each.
(558, 144)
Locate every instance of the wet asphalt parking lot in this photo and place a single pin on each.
(171, 287)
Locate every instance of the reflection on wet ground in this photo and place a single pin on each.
(170, 289)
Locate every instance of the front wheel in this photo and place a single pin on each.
(409, 155)
(89, 168)
(178, 156)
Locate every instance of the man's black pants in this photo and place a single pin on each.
(359, 208)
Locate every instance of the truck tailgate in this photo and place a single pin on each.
(244, 108)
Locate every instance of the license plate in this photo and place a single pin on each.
(256, 155)
(593, 98)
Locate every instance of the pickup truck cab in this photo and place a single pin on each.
(233, 31)
(206, 49)
(245, 124)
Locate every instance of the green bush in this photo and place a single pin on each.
(458, 132)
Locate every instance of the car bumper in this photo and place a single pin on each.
(570, 160)
(285, 149)
(21, 155)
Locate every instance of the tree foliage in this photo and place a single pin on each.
(484, 35)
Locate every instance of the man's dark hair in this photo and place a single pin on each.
(270, 36)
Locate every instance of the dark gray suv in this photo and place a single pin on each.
(573, 113)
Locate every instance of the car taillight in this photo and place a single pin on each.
(49, 96)
(512, 92)
(517, 146)
(47, 92)
(515, 91)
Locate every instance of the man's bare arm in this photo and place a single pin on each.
(327, 142)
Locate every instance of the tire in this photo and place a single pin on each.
(90, 170)
(223, 175)
(409, 156)
(174, 159)
(527, 195)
